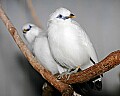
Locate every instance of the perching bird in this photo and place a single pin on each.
(69, 44)
(39, 43)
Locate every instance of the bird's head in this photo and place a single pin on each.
(27, 28)
(30, 31)
(61, 15)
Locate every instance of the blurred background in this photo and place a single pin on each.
(100, 19)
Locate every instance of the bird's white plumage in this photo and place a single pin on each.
(42, 52)
(40, 46)
(68, 42)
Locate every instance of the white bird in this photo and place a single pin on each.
(38, 40)
(69, 44)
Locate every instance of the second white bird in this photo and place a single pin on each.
(38, 40)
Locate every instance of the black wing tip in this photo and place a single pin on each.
(98, 85)
(95, 84)
(92, 60)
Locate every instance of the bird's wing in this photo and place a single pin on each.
(93, 58)
(86, 42)
(89, 47)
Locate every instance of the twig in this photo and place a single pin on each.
(111, 61)
(65, 89)
(33, 14)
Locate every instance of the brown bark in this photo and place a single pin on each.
(33, 13)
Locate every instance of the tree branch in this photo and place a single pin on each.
(33, 13)
(111, 61)
(65, 89)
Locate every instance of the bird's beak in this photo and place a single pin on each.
(71, 16)
(24, 31)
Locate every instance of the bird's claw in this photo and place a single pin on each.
(75, 70)
(68, 73)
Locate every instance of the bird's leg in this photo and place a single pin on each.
(75, 70)
(68, 72)
(71, 71)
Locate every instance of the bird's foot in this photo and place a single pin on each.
(75, 70)
(68, 73)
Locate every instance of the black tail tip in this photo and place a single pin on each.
(98, 85)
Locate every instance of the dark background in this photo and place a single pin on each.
(100, 19)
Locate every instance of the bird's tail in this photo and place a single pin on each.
(86, 87)
(96, 83)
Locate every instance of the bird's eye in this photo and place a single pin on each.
(30, 26)
(72, 15)
(59, 16)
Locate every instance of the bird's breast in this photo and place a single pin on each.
(66, 47)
